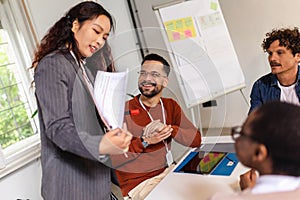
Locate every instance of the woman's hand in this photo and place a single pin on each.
(116, 141)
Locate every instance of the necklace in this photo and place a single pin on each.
(150, 116)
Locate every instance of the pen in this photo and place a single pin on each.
(125, 128)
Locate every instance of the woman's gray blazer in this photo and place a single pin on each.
(70, 133)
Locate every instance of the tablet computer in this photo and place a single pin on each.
(201, 162)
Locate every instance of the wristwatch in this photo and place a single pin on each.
(144, 143)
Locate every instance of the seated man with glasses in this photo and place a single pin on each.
(268, 142)
(154, 121)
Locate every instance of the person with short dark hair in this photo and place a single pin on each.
(268, 142)
(283, 83)
(154, 122)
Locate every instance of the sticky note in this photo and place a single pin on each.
(213, 6)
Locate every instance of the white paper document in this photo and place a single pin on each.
(110, 95)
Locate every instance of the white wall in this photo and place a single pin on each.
(44, 13)
(23, 183)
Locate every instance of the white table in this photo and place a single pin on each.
(186, 186)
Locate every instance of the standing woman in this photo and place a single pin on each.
(75, 150)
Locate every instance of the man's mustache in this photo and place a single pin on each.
(148, 83)
(272, 63)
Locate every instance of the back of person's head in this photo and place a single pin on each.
(289, 38)
(277, 126)
(61, 32)
(158, 58)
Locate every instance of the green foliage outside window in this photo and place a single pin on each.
(15, 122)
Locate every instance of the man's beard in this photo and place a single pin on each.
(150, 94)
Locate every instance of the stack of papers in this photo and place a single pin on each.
(110, 96)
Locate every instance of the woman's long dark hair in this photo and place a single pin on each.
(60, 34)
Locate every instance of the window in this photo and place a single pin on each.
(18, 129)
(15, 111)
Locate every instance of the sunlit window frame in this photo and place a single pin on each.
(15, 19)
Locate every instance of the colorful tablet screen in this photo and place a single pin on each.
(202, 162)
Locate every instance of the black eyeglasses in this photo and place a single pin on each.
(237, 132)
(152, 74)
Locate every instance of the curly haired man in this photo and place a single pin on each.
(282, 84)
